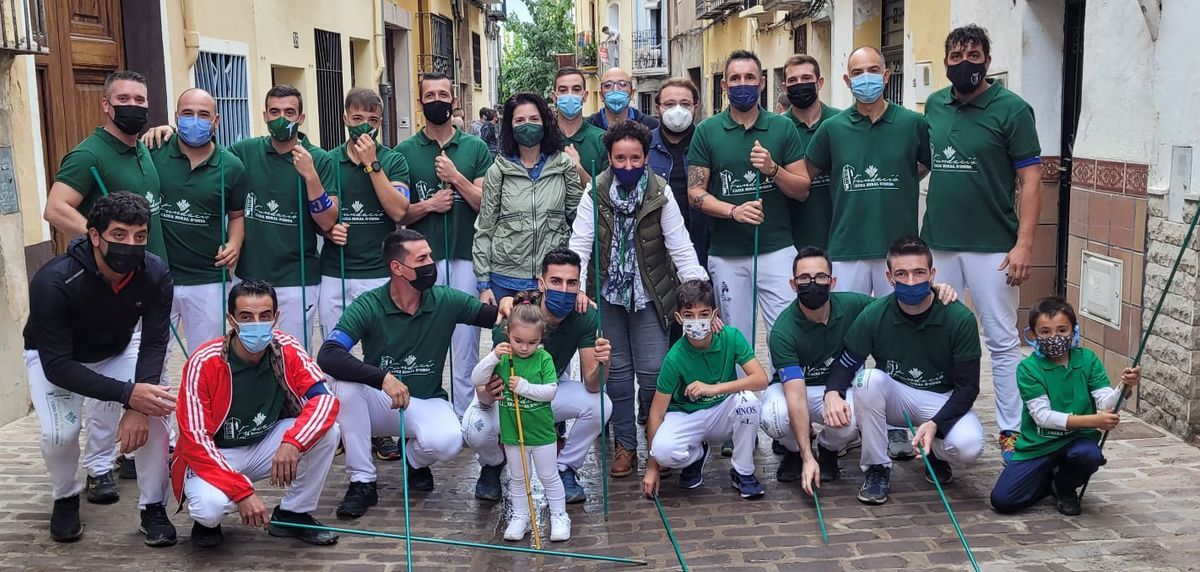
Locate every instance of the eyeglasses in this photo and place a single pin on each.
(806, 279)
(619, 84)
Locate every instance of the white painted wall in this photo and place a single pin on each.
(1176, 90)
(841, 44)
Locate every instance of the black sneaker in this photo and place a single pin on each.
(575, 492)
(358, 498)
(876, 484)
(692, 475)
(420, 479)
(488, 486)
(205, 537)
(157, 527)
(102, 489)
(777, 447)
(747, 485)
(827, 464)
(317, 537)
(127, 468)
(899, 446)
(790, 468)
(1068, 501)
(64, 522)
(940, 468)
(385, 448)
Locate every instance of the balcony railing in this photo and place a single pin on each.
(23, 26)
(649, 50)
(435, 63)
(585, 50)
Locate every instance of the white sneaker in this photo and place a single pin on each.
(517, 527)
(560, 527)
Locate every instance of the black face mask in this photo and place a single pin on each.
(802, 95)
(966, 76)
(813, 295)
(426, 276)
(130, 119)
(437, 112)
(124, 258)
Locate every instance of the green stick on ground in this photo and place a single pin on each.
(407, 523)
(941, 493)
(820, 518)
(599, 334)
(670, 533)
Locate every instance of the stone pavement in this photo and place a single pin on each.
(1141, 513)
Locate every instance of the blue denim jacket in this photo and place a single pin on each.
(660, 162)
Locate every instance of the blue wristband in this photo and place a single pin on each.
(403, 189)
(321, 204)
(481, 286)
(789, 373)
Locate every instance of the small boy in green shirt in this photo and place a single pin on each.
(1068, 399)
(700, 397)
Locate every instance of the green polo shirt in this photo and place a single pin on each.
(723, 146)
(873, 179)
(121, 168)
(811, 218)
(717, 363)
(575, 332)
(360, 208)
(411, 347)
(537, 418)
(977, 149)
(812, 346)
(919, 355)
(471, 157)
(191, 213)
(1069, 389)
(255, 403)
(589, 143)
(276, 206)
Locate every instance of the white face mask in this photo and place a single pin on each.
(677, 119)
(697, 329)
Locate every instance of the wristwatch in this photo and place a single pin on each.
(374, 166)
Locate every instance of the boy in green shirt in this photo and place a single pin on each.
(1067, 399)
(700, 398)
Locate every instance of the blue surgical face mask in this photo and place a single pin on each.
(616, 100)
(560, 303)
(570, 106)
(743, 97)
(255, 336)
(194, 131)
(629, 177)
(912, 294)
(867, 88)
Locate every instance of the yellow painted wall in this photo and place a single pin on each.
(926, 24)
(26, 152)
(868, 30)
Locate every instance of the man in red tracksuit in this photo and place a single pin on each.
(253, 405)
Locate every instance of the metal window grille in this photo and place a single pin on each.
(224, 76)
(329, 88)
(476, 59)
(892, 47)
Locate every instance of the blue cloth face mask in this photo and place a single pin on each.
(194, 131)
(616, 101)
(629, 177)
(743, 97)
(867, 88)
(255, 336)
(570, 106)
(912, 294)
(560, 303)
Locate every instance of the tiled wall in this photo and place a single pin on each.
(1045, 247)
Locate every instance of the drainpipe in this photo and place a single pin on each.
(385, 90)
(191, 38)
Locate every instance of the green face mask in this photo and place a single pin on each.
(528, 134)
(361, 129)
(282, 129)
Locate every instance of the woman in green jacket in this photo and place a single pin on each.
(529, 199)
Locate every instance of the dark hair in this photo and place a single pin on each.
(393, 244)
(560, 256)
(527, 310)
(743, 55)
(678, 82)
(802, 59)
(251, 289)
(551, 138)
(364, 99)
(487, 114)
(433, 76)
(123, 207)
(284, 90)
(694, 293)
(627, 130)
(967, 36)
(569, 70)
(1049, 307)
(811, 252)
(122, 75)
(907, 245)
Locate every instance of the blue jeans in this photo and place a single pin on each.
(639, 344)
(1024, 483)
(505, 286)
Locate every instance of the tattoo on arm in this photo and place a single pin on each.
(699, 200)
(697, 177)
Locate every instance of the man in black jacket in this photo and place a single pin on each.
(82, 342)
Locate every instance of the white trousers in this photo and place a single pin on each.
(292, 319)
(60, 413)
(207, 505)
(677, 443)
(331, 305)
(431, 429)
(996, 304)
(481, 425)
(464, 344)
(733, 281)
(776, 422)
(880, 400)
(863, 276)
(542, 457)
(199, 309)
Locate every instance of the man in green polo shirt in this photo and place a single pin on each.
(875, 154)
(288, 184)
(927, 360)
(984, 142)
(582, 138)
(744, 167)
(405, 328)
(446, 168)
(803, 84)
(113, 154)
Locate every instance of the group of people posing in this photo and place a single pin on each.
(671, 233)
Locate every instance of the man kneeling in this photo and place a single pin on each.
(700, 398)
(254, 406)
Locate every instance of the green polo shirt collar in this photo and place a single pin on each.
(981, 101)
(837, 310)
(426, 140)
(176, 152)
(760, 122)
(937, 313)
(427, 305)
(826, 113)
(112, 141)
(888, 116)
(1075, 361)
(303, 141)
